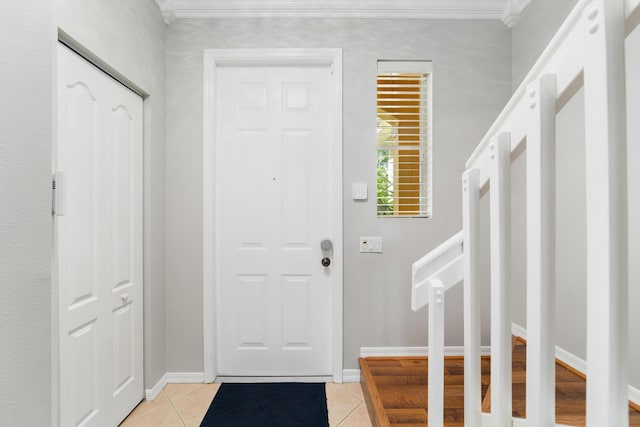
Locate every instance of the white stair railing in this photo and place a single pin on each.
(431, 277)
(587, 51)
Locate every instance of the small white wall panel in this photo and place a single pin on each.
(123, 347)
(295, 187)
(251, 301)
(122, 145)
(296, 310)
(248, 198)
(85, 387)
(79, 168)
(296, 97)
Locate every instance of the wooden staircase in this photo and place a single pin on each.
(395, 389)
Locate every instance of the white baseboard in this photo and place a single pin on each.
(185, 377)
(574, 361)
(634, 395)
(518, 331)
(173, 378)
(414, 351)
(152, 393)
(351, 375)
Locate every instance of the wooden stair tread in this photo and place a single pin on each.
(396, 392)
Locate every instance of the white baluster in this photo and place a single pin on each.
(500, 194)
(541, 213)
(435, 392)
(472, 372)
(607, 380)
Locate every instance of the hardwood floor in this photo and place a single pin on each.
(396, 390)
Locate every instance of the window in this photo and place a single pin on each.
(404, 138)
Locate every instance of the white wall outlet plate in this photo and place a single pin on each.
(371, 244)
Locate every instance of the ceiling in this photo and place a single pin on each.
(506, 10)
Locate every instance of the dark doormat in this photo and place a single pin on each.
(268, 404)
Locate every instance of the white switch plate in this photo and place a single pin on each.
(359, 191)
(371, 244)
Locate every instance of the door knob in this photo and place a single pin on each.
(326, 262)
(326, 245)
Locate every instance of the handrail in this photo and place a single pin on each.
(432, 275)
(443, 263)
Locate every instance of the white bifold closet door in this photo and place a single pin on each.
(98, 244)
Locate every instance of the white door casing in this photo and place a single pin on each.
(98, 244)
(273, 172)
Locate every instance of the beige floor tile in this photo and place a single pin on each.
(147, 405)
(163, 415)
(340, 403)
(355, 389)
(359, 417)
(176, 391)
(194, 405)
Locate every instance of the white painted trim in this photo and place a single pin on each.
(351, 376)
(512, 11)
(415, 351)
(572, 360)
(634, 395)
(402, 9)
(321, 379)
(212, 59)
(518, 331)
(631, 6)
(152, 393)
(185, 377)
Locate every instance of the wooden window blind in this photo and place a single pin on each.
(404, 138)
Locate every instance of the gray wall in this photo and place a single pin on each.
(471, 84)
(538, 23)
(129, 37)
(571, 229)
(26, 126)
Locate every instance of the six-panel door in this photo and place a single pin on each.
(273, 201)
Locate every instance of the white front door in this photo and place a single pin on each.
(275, 200)
(98, 244)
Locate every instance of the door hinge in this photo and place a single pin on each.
(58, 194)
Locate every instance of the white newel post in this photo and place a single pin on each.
(607, 380)
(541, 213)
(472, 372)
(435, 393)
(500, 195)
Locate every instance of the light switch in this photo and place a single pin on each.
(359, 191)
(371, 244)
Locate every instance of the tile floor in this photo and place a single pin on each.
(184, 405)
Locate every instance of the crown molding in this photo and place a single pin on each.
(506, 10)
(512, 12)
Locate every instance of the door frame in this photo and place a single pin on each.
(214, 58)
